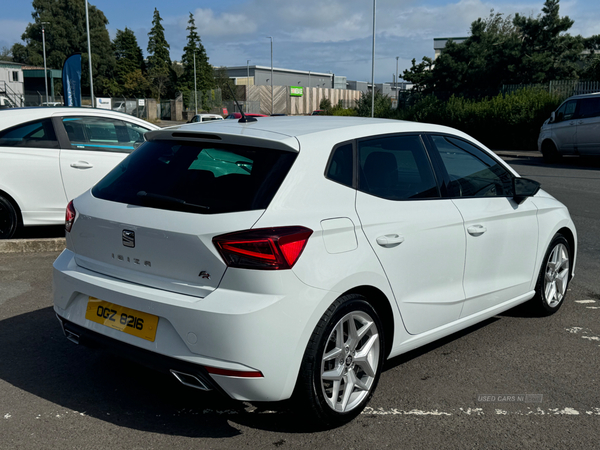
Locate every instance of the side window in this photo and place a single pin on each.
(340, 167)
(589, 107)
(103, 134)
(472, 172)
(396, 168)
(38, 134)
(566, 111)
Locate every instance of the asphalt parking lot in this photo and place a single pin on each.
(513, 381)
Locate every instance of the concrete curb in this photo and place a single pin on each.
(32, 245)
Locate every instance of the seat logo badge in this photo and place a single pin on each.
(128, 238)
(204, 274)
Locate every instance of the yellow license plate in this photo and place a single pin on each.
(127, 320)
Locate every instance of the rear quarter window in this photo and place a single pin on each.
(197, 177)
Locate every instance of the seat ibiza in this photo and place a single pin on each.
(290, 257)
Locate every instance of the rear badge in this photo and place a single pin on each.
(128, 238)
(204, 274)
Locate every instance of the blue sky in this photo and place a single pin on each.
(316, 35)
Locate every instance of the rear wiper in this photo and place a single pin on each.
(168, 200)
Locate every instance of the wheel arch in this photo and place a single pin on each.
(15, 205)
(568, 234)
(379, 301)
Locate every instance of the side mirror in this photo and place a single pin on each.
(552, 117)
(524, 188)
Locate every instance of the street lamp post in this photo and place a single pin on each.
(247, 82)
(45, 70)
(373, 65)
(396, 87)
(87, 24)
(271, 37)
(195, 87)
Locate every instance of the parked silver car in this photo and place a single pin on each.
(573, 129)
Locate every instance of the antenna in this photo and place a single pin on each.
(244, 119)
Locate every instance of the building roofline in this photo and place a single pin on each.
(278, 69)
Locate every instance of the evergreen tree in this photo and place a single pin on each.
(66, 34)
(204, 71)
(129, 64)
(501, 50)
(160, 72)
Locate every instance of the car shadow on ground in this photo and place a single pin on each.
(40, 232)
(104, 386)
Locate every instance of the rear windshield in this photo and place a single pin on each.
(202, 178)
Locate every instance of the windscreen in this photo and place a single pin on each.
(203, 178)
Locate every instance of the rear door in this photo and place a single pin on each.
(92, 146)
(418, 236)
(30, 171)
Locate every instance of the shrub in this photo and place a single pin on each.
(510, 121)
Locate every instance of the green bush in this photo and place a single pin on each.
(510, 121)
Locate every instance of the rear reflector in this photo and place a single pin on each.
(234, 373)
(70, 216)
(263, 248)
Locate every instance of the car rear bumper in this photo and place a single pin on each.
(255, 321)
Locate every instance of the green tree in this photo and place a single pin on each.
(226, 84)
(5, 54)
(592, 61)
(204, 71)
(503, 50)
(66, 34)
(547, 51)
(129, 60)
(160, 72)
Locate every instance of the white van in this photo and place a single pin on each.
(573, 129)
(5, 102)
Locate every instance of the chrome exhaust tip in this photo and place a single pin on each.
(73, 337)
(190, 380)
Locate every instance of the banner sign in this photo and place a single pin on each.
(71, 79)
(296, 91)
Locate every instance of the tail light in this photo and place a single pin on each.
(263, 248)
(70, 216)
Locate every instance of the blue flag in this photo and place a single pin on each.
(71, 78)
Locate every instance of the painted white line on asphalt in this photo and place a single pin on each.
(567, 411)
(593, 307)
(574, 330)
(480, 412)
(585, 301)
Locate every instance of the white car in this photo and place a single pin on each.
(49, 156)
(205, 118)
(293, 256)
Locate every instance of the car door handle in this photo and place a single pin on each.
(390, 240)
(476, 230)
(82, 165)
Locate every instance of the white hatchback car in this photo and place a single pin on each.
(203, 118)
(293, 256)
(49, 156)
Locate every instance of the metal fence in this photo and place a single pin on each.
(561, 88)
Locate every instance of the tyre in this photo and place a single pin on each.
(8, 219)
(550, 153)
(554, 276)
(342, 362)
